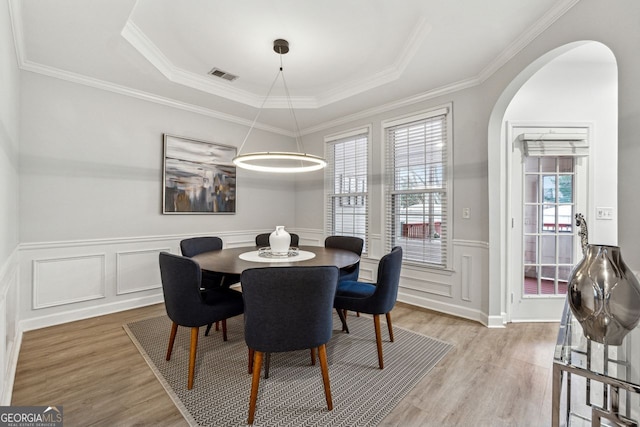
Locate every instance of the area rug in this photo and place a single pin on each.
(293, 394)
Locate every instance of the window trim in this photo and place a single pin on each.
(328, 182)
(443, 109)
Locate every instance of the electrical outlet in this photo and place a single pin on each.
(466, 213)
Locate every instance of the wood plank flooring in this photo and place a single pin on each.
(492, 377)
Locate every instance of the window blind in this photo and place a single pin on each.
(417, 189)
(555, 144)
(347, 189)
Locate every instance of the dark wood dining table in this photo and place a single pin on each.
(228, 260)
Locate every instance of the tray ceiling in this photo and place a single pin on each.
(346, 57)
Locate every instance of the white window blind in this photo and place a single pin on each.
(417, 190)
(555, 144)
(347, 201)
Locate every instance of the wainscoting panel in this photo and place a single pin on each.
(427, 285)
(457, 291)
(67, 280)
(138, 270)
(368, 272)
(64, 281)
(71, 280)
(465, 279)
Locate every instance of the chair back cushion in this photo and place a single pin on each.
(181, 287)
(349, 243)
(197, 245)
(288, 308)
(388, 280)
(182, 297)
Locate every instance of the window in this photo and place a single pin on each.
(346, 183)
(417, 191)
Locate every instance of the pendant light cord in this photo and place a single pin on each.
(293, 113)
(264, 101)
(289, 103)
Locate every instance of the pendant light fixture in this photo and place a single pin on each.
(275, 161)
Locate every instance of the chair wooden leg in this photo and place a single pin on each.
(267, 364)
(217, 326)
(376, 324)
(172, 339)
(206, 331)
(322, 355)
(343, 319)
(255, 383)
(192, 356)
(250, 360)
(390, 327)
(313, 356)
(224, 330)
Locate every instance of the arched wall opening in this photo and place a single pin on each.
(499, 156)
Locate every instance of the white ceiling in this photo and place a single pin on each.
(346, 58)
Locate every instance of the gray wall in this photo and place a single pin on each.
(91, 167)
(9, 137)
(9, 189)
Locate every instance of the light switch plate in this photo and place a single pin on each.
(604, 213)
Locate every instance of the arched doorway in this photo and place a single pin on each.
(500, 162)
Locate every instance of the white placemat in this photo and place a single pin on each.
(254, 257)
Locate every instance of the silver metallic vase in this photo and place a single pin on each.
(604, 295)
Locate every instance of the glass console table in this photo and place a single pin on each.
(595, 384)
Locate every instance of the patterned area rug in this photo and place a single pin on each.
(293, 394)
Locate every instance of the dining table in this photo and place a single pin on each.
(236, 260)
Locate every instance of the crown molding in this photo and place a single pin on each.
(443, 90)
(139, 40)
(387, 75)
(551, 16)
(557, 11)
(15, 15)
(146, 47)
(145, 96)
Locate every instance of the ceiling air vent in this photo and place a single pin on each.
(223, 74)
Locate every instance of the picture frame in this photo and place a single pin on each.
(199, 177)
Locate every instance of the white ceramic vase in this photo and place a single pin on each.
(279, 240)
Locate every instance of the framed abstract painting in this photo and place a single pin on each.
(199, 177)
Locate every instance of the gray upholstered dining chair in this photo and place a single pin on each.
(349, 243)
(262, 240)
(373, 298)
(287, 309)
(187, 306)
(210, 279)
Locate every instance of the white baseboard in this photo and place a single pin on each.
(495, 321)
(535, 321)
(454, 310)
(86, 313)
(12, 365)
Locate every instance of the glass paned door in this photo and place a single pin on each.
(548, 232)
(546, 192)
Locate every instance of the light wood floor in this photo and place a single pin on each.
(492, 377)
